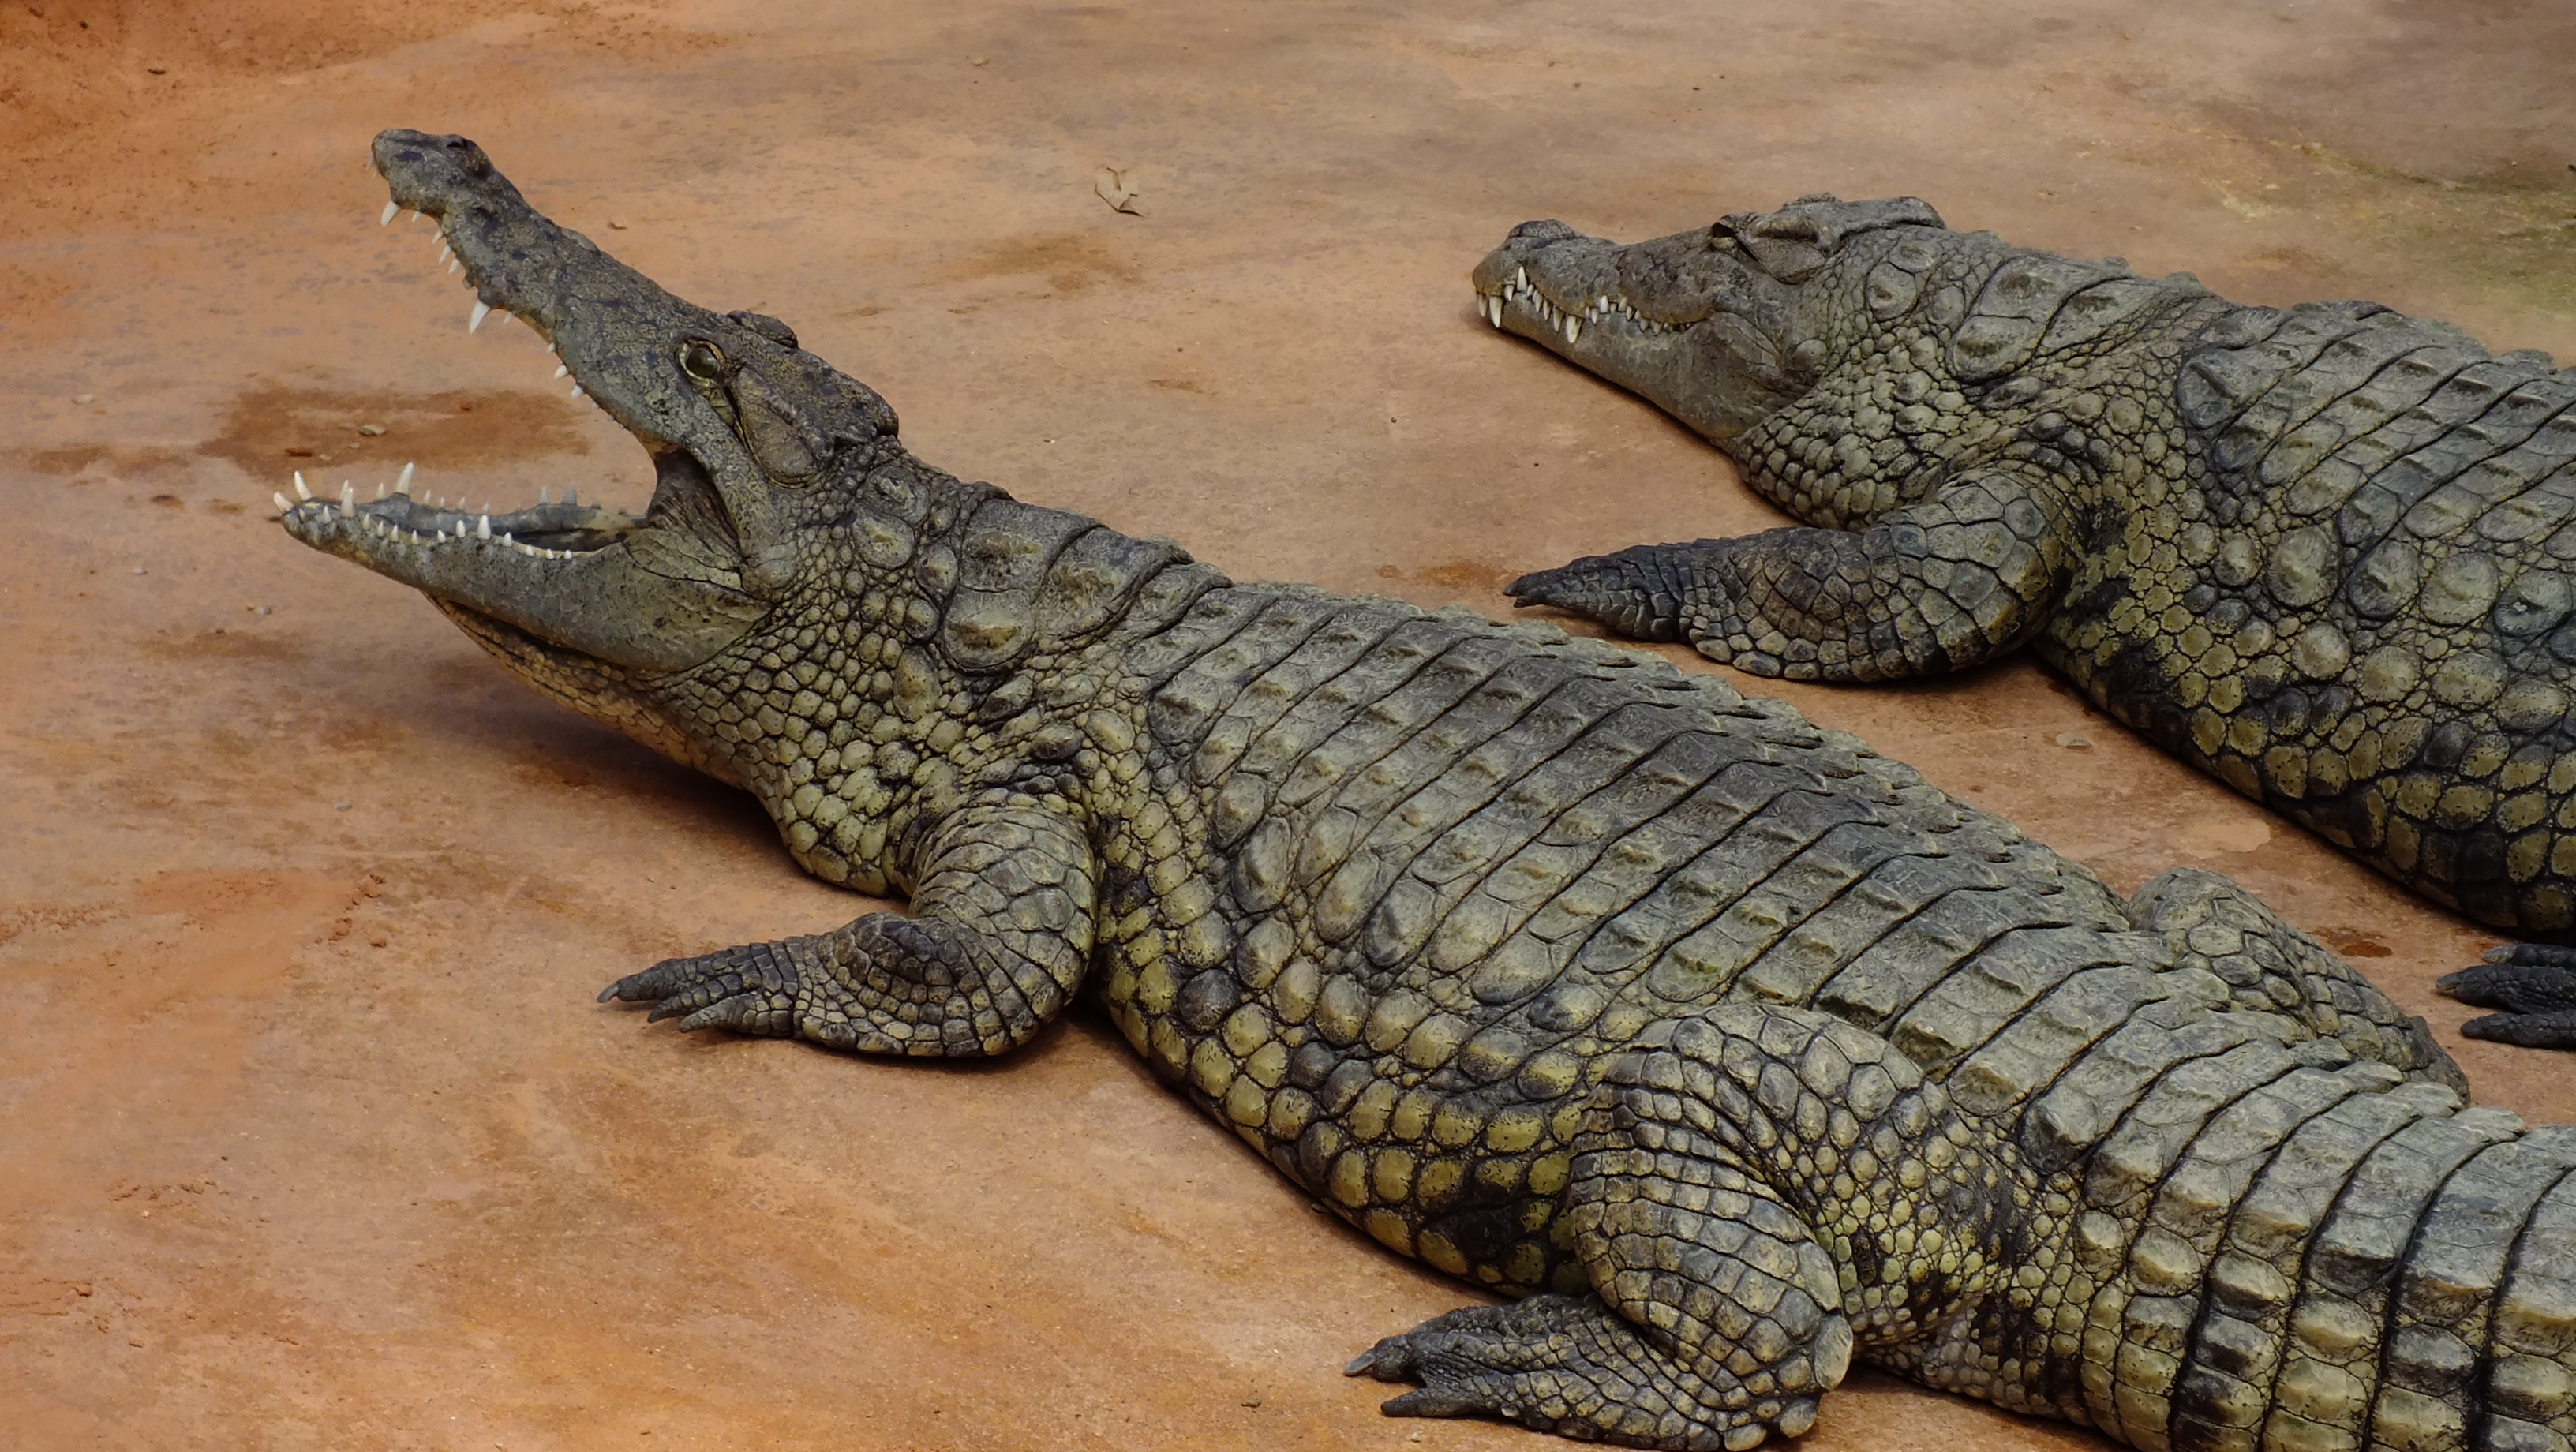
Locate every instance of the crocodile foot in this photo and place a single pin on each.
(1571, 1365)
(749, 990)
(2535, 985)
(1645, 592)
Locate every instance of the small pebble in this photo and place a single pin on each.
(83, 397)
(371, 430)
(2074, 741)
(617, 222)
(257, 609)
(138, 569)
(339, 806)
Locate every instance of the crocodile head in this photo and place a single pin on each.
(1712, 325)
(749, 437)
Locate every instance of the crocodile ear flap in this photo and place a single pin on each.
(1795, 242)
(786, 450)
(766, 326)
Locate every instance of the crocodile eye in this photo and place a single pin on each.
(702, 362)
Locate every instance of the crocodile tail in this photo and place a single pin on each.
(1641, 592)
(2338, 1261)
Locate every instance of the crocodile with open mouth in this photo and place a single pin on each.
(1724, 1049)
(2322, 553)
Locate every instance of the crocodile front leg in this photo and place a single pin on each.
(1000, 933)
(1932, 587)
(1757, 1192)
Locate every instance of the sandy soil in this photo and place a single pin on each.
(310, 1135)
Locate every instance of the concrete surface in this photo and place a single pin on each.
(310, 1135)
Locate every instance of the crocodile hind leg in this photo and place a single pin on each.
(1931, 587)
(2211, 922)
(2535, 986)
(1000, 933)
(1746, 1197)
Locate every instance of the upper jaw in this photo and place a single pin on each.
(613, 328)
(654, 594)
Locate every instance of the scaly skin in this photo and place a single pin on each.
(1727, 1049)
(2321, 554)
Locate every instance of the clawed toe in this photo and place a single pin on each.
(650, 986)
(1392, 1359)
(2527, 978)
(2525, 1030)
(740, 989)
(1432, 1402)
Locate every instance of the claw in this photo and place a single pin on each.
(1361, 1363)
(625, 990)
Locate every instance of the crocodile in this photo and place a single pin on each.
(2325, 553)
(1719, 1051)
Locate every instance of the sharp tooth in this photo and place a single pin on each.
(444, 251)
(348, 500)
(284, 505)
(550, 345)
(451, 266)
(403, 484)
(561, 370)
(1494, 310)
(1520, 277)
(541, 497)
(390, 209)
(483, 528)
(1573, 329)
(576, 391)
(482, 310)
(507, 539)
(568, 495)
(300, 491)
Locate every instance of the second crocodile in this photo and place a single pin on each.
(2327, 553)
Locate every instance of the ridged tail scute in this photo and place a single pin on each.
(1641, 592)
(2336, 1262)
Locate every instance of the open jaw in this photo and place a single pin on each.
(648, 594)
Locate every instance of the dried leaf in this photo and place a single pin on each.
(1112, 186)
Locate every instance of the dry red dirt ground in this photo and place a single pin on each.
(310, 1134)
